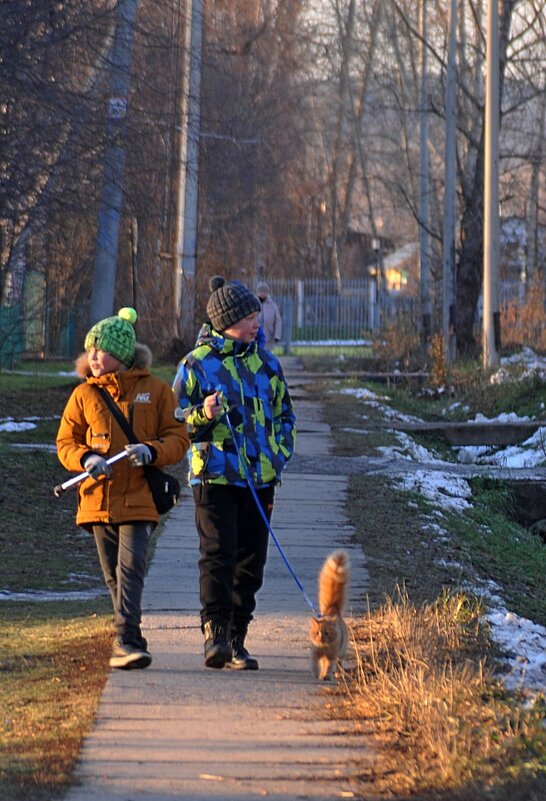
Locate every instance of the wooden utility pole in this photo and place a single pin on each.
(491, 314)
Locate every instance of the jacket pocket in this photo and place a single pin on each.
(200, 454)
(92, 495)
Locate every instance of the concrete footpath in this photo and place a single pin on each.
(179, 731)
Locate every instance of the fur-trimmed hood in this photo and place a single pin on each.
(87, 425)
(143, 358)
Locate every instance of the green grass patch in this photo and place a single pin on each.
(42, 548)
(43, 400)
(43, 367)
(44, 432)
(485, 543)
(463, 400)
(502, 550)
(34, 381)
(467, 392)
(343, 355)
(165, 371)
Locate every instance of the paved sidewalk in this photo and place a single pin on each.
(178, 731)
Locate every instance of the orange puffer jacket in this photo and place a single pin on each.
(87, 425)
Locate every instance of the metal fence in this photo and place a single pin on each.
(325, 312)
(315, 312)
(12, 342)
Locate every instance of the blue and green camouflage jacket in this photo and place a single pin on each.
(258, 403)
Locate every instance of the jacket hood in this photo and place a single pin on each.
(143, 358)
(208, 336)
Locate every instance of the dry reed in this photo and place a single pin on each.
(422, 684)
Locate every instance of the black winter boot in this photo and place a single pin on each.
(241, 659)
(217, 647)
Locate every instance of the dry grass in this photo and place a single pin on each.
(398, 345)
(53, 671)
(443, 726)
(523, 324)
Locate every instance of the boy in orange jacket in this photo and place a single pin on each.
(115, 502)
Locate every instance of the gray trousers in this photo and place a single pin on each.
(122, 550)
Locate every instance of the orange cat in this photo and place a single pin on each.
(329, 634)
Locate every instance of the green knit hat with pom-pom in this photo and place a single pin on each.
(115, 335)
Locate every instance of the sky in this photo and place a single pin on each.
(523, 641)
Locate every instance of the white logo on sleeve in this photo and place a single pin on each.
(143, 397)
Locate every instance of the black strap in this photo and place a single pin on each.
(118, 414)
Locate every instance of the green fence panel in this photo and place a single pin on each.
(12, 341)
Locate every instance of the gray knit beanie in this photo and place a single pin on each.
(229, 302)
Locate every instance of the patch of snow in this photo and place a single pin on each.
(44, 446)
(409, 449)
(11, 425)
(530, 453)
(360, 393)
(443, 490)
(523, 641)
(525, 645)
(41, 596)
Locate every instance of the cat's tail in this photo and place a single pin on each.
(333, 583)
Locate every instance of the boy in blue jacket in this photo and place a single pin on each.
(231, 388)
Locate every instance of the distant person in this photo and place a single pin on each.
(115, 503)
(270, 317)
(236, 403)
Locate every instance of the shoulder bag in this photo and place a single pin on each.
(165, 488)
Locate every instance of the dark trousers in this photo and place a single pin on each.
(122, 550)
(233, 539)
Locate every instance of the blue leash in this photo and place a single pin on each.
(264, 516)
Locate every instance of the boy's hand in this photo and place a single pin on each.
(97, 466)
(139, 454)
(213, 405)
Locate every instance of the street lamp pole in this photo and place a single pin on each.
(491, 316)
(185, 245)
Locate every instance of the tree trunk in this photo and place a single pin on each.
(469, 272)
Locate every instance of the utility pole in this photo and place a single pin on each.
(491, 314)
(106, 255)
(424, 204)
(449, 189)
(185, 246)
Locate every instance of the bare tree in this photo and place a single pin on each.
(251, 171)
(56, 64)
